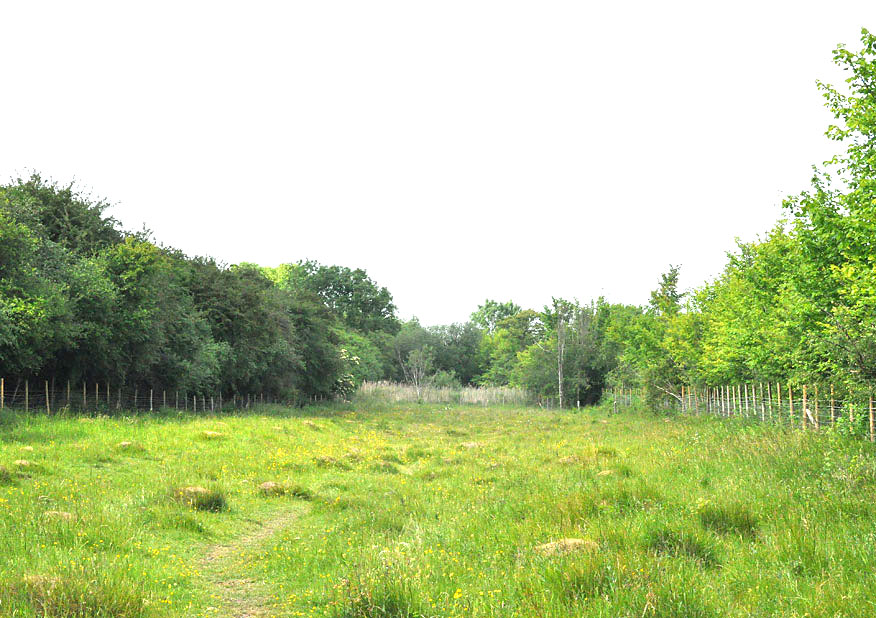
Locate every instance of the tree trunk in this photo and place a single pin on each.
(561, 347)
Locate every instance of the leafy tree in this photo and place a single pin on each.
(411, 336)
(587, 356)
(834, 222)
(419, 366)
(750, 330)
(511, 336)
(369, 362)
(62, 215)
(488, 315)
(351, 294)
(457, 350)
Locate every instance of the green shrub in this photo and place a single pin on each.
(852, 422)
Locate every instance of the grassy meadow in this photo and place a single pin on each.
(430, 510)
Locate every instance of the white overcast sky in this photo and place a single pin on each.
(456, 150)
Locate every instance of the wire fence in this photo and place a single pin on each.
(30, 395)
(806, 406)
(45, 396)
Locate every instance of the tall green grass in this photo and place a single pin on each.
(436, 511)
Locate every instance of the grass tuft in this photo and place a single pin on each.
(76, 595)
(386, 467)
(302, 493)
(385, 598)
(729, 519)
(270, 488)
(682, 544)
(582, 580)
(201, 498)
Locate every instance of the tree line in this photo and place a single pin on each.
(83, 300)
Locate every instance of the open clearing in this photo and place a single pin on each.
(432, 511)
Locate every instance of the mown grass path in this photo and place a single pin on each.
(238, 595)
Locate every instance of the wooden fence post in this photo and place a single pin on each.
(96, 394)
(790, 402)
(163, 399)
(26, 396)
(746, 398)
(832, 409)
(762, 409)
(150, 400)
(872, 425)
(816, 408)
(48, 406)
(2, 393)
(779, 395)
(805, 411)
(770, 397)
(84, 395)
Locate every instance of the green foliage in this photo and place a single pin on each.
(61, 215)
(358, 302)
(511, 336)
(852, 422)
(457, 350)
(491, 313)
(587, 355)
(369, 361)
(82, 300)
